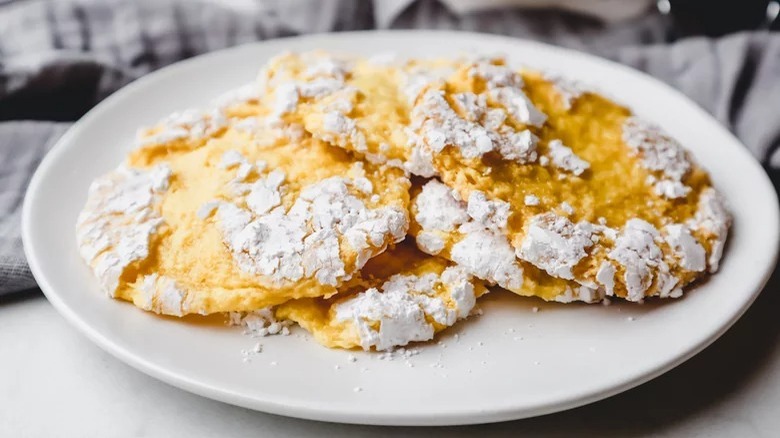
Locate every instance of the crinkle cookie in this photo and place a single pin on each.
(255, 214)
(568, 182)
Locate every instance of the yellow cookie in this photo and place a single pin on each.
(570, 182)
(403, 296)
(251, 215)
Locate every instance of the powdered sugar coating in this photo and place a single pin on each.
(438, 210)
(566, 208)
(415, 78)
(442, 126)
(568, 89)
(488, 255)
(630, 260)
(340, 130)
(690, 252)
(518, 105)
(438, 125)
(191, 124)
(324, 76)
(402, 305)
(313, 65)
(713, 219)
(495, 76)
(636, 251)
(266, 131)
(564, 158)
(491, 213)
(671, 189)
(483, 251)
(304, 240)
(207, 209)
(161, 294)
(555, 244)
(231, 158)
(531, 200)
(660, 153)
(505, 87)
(430, 243)
(606, 277)
(197, 124)
(420, 159)
(118, 220)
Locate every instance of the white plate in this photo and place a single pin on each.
(510, 363)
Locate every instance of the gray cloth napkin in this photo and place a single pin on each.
(59, 58)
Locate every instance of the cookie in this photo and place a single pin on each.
(257, 214)
(576, 185)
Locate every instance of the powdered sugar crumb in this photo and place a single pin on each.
(259, 323)
(531, 200)
(564, 158)
(567, 208)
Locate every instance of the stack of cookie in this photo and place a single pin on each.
(373, 200)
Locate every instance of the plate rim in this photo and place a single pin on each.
(323, 412)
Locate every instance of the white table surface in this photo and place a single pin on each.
(55, 382)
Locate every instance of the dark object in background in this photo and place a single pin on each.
(720, 17)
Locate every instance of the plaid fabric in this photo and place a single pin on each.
(22, 145)
(59, 58)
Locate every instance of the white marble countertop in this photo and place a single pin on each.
(55, 382)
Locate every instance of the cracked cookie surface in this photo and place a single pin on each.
(602, 201)
(250, 217)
